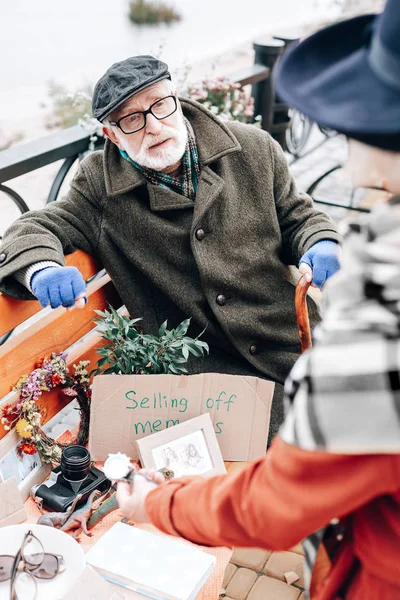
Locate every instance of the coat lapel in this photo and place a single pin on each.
(210, 185)
(119, 175)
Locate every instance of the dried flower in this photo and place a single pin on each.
(24, 429)
(69, 391)
(56, 379)
(6, 409)
(9, 418)
(27, 448)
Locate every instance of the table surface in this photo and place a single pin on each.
(210, 590)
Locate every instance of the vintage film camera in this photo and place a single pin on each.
(75, 475)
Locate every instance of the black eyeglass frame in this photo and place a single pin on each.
(28, 567)
(58, 557)
(145, 113)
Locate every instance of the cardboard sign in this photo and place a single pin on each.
(128, 407)
(12, 509)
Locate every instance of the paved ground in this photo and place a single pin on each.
(254, 574)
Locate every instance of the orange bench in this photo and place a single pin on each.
(54, 331)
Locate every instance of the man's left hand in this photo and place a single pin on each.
(132, 497)
(320, 262)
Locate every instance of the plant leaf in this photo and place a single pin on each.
(182, 328)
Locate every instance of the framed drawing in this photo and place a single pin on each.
(27, 469)
(190, 448)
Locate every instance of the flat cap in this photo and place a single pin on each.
(124, 79)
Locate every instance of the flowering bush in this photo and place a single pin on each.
(68, 107)
(224, 98)
(73, 108)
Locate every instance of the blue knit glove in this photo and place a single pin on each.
(323, 258)
(57, 286)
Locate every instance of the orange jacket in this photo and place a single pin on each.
(277, 501)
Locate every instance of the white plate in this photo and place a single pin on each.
(54, 541)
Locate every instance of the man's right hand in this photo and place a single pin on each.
(59, 286)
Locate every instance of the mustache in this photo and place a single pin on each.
(165, 134)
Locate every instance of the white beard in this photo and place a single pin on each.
(162, 158)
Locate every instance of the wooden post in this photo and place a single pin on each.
(281, 119)
(266, 54)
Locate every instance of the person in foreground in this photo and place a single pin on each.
(191, 217)
(333, 471)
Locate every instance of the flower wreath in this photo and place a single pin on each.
(25, 416)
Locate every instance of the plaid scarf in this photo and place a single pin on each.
(346, 390)
(188, 182)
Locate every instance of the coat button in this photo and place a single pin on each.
(200, 234)
(221, 300)
(3, 257)
(253, 349)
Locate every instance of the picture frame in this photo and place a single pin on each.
(27, 470)
(189, 448)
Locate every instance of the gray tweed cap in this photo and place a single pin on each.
(124, 79)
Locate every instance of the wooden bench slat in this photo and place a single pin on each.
(14, 312)
(57, 330)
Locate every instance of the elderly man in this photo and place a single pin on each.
(190, 216)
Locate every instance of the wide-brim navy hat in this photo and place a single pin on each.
(347, 77)
(124, 79)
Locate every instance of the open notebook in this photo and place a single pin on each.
(156, 566)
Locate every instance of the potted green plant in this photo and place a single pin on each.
(126, 351)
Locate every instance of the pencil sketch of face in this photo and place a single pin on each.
(18, 464)
(187, 455)
(193, 456)
(192, 450)
(170, 457)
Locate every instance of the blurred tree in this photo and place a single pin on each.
(149, 12)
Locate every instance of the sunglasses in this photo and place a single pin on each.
(30, 563)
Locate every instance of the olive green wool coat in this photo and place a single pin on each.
(220, 259)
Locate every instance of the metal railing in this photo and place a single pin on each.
(291, 129)
(72, 143)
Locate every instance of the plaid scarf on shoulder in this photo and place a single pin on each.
(346, 389)
(188, 182)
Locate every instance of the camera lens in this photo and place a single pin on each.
(75, 463)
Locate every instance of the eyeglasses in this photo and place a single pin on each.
(30, 562)
(163, 108)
